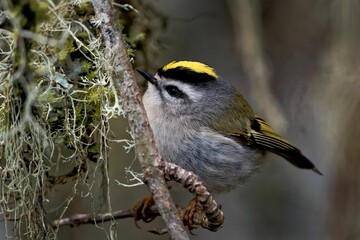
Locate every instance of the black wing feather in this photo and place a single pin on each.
(267, 139)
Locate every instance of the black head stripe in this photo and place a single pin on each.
(186, 75)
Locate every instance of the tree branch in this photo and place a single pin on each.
(209, 217)
(146, 149)
(78, 219)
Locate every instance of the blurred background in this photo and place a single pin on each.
(297, 63)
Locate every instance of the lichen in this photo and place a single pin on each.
(56, 100)
(52, 91)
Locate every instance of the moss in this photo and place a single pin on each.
(87, 66)
(65, 51)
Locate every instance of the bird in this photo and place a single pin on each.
(204, 124)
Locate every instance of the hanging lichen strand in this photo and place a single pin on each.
(56, 99)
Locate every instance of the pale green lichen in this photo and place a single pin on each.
(54, 89)
(56, 99)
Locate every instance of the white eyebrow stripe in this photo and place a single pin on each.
(190, 91)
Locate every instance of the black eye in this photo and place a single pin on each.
(174, 91)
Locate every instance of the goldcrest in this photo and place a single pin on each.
(203, 124)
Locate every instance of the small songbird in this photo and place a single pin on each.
(203, 124)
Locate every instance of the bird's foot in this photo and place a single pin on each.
(142, 210)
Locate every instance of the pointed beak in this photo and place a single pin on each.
(148, 77)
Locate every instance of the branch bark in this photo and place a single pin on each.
(210, 217)
(146, 149)
(88, 218)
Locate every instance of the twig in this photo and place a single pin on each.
(211, 217)
(78, 219)
(146, 149)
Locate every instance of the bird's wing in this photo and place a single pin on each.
(266, 138)
(253, 131)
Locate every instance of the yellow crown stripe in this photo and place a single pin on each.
(193, 66)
